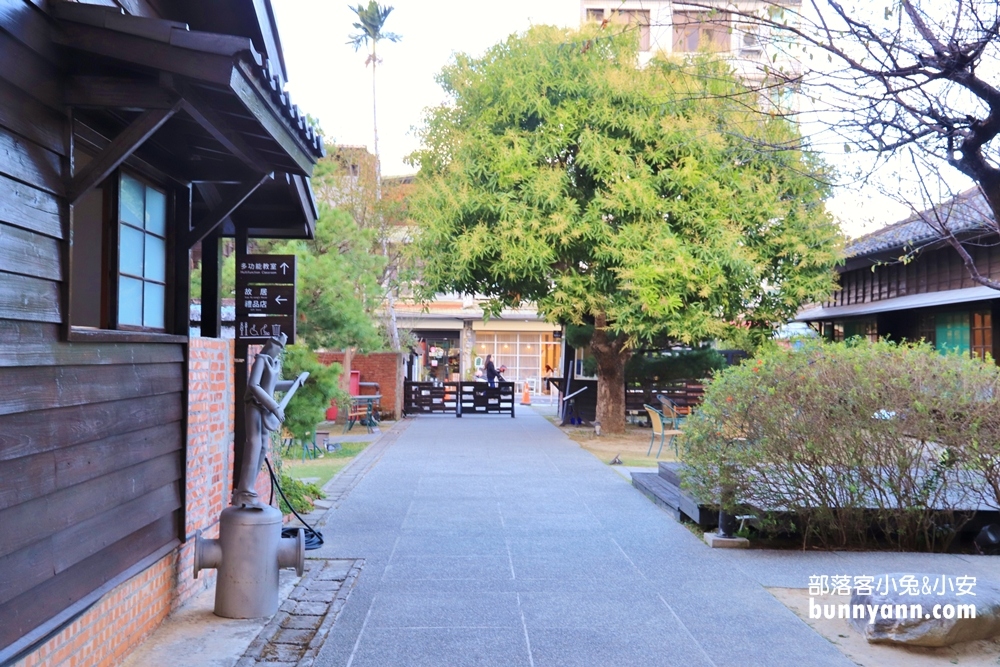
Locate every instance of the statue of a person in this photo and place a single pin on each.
(263, 415)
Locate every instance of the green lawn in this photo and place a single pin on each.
(323, 468)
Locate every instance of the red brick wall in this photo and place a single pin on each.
(386, 368)
(129, 613)
(117, 624)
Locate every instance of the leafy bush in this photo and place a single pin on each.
(851, 444)
(300, 494)
(308, 407)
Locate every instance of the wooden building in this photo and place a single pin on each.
(130, 133)
(905, 283)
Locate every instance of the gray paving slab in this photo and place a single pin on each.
(498, 541)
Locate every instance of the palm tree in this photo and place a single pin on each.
(370, 24)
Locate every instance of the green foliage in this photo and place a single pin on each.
(657, 198)
(300, 495)
(854, 443)
(579, 335)
(228, 286)
(338, 288)
(308, 407)
(370, 24)
(668, 367)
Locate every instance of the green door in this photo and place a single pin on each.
(951, 332)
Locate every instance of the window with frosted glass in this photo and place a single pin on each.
(142, 255)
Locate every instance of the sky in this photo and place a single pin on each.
(329, 80)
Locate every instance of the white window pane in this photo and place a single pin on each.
(152, 306)
(156, 258)
(132, 200)
(130, 247)
(156, 212)
(129, 301)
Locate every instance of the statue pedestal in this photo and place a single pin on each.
(248, 554)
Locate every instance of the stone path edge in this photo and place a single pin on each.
(298, 604)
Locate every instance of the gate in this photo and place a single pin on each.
(458, 398)
(430, 398)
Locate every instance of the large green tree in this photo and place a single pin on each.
(649, 202)
(338, 283)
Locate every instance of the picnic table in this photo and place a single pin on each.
(363, 410)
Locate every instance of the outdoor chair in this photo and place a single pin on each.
(672, 411)
(659, 422)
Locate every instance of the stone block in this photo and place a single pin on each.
(930, 627)
(716, 542)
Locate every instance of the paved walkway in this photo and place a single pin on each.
(498, 541)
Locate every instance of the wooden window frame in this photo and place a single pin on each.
(115, 257)
(986, 329)
(110, 330)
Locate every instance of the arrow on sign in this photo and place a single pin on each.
(284, 268)
(279, 299)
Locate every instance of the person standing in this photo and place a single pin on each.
(491, 371)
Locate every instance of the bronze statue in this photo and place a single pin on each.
(263, 415)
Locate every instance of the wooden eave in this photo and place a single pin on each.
(227, 63)
(205, 109)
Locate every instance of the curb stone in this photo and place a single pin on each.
(298, 630)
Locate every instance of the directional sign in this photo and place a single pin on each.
(265, 297)
(269, 269)
(266, 300)
(252, 329)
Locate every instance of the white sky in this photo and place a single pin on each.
(329, 80)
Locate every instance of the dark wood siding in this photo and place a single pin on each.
(91, 434)
(932, 271)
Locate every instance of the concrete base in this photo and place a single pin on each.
(716, 542)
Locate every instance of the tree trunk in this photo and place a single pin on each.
(611, 355)
(390, 295)
(390, 302)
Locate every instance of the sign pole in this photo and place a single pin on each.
(240, 379)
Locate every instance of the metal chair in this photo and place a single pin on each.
(659, 422)
(672, 411)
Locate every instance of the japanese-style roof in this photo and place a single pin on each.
(209, 58)
(966, 214)
(909, 302)
(196, 107)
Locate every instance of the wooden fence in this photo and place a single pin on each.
(458, 398)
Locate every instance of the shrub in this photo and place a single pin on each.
(300, 494)
(308, 407)
(851, 443)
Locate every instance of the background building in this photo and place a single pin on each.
(906, 283)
